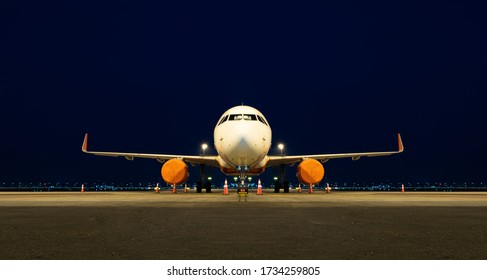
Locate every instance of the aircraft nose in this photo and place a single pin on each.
(242, 145)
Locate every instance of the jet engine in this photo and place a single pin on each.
(175, 171)
(310, 172)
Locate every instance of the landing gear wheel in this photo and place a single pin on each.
(208, 187)
(277, 187)
(243, 187)
(286, 187)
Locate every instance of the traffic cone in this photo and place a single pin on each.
(402, 188)
(157, 188)
(225, 187)
(259, 188)
(328, 188)
(299, 189)
(311, 188)
(82, 187)
(185, 188)
(174, 188)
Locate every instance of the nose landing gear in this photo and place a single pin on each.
(243, 187)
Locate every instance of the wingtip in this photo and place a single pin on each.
(399, 143)
(84, 148)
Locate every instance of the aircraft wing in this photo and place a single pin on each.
(277, 160)
(209, 160)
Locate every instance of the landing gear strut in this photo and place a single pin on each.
(204, 183)
(243, 187)
(281, 183)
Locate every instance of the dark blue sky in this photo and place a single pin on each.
(151, 76)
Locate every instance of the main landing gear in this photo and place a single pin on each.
(204, 183)
(281, 183)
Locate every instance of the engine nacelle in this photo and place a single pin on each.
(175, 171)
(310, 172)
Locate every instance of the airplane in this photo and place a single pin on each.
(242, 139)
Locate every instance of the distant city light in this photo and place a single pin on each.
(343, 186)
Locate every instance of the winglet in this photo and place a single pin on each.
(399, 143)
(84, 148)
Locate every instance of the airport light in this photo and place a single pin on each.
(281, 147)
(275, 178)
(210, 178)
(250, 179)
(235, 179)
(203, 147)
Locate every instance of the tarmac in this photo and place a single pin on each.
(301, 226)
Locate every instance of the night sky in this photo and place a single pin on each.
(155, 77)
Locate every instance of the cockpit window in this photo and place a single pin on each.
(245, 117)
(224, 119)
(249, 117)
(261, 119)
(235, 117)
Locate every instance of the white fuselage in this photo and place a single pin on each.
(242, 139)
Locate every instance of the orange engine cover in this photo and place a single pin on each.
(175, 171)
(310, 171)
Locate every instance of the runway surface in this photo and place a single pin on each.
(339, 225)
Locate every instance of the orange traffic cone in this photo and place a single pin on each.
(259, 188)
(185, 188)
(328, 189)
(82, 187)
(174, 188)
(225, 187)
(402, 188)
(157, 188)
(311, 188)
(299, 188)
